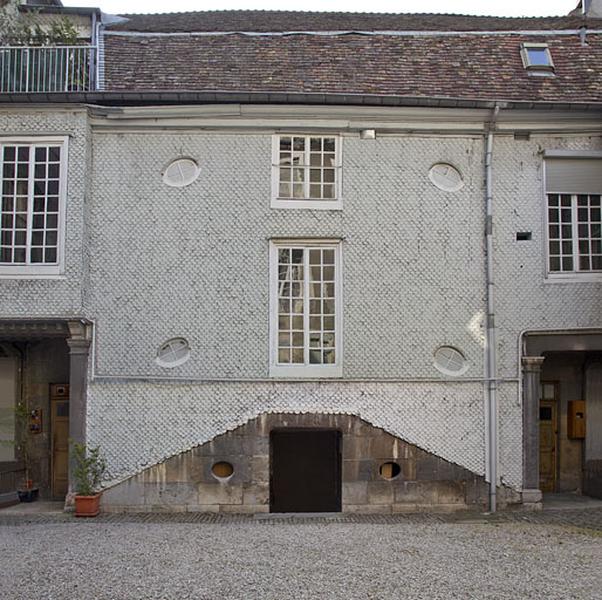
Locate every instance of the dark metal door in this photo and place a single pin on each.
(305, 471)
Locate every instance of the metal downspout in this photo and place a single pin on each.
(490, 340)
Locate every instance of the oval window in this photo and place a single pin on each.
(181, 172)
(446, 177)
(389, 470)
(222, 470)
(450, 361)
(173, 352)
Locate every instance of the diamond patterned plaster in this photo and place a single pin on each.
(140, 424)
(166, 262)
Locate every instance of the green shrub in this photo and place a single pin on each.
(89, 466)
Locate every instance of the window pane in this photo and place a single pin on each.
(315, 191)
(36, 255)
(329, 357)
(315, 357)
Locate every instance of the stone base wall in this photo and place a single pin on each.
(186, 482)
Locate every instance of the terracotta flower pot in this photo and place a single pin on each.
(87, 506)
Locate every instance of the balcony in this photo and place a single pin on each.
(31, 69)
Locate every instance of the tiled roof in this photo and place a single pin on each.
(483, 67)
(272, 20)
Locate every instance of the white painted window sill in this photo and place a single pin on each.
(306, 372)
(307, 204)
(573, 278)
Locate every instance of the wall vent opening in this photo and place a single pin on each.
(222, 470)
(389, 470)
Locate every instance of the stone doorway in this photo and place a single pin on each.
(305, 472)
(43, 378)
(562, 401)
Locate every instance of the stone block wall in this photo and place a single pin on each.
(186, 482)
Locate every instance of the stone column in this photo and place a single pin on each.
(531, 392)
(79, 349)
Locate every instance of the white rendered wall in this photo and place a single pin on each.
(193, 262)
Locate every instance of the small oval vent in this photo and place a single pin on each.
(446, 177)
(222, 470)
(173, 353)
(181, 172)
(389, 470)
(450, 361)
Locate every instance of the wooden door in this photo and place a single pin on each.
(59, 428)
(305, 471)
(548, 434)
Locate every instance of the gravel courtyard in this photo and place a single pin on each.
(280, 559)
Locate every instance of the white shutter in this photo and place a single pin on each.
(574, 175)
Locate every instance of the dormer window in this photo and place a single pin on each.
(537, 59)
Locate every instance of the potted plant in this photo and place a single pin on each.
(88, 468)
(14, 432)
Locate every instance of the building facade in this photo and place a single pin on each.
(282, 282)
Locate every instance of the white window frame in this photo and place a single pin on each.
(335, 203)
(575, 274)
(304, 371)
(27, 271)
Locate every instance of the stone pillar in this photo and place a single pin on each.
(79, 349)
(531, 392)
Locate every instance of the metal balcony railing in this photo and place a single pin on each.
(47, 69)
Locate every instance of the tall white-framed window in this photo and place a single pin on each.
(306, 171)
(32, 205)
(573, 217)
(305, 308)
